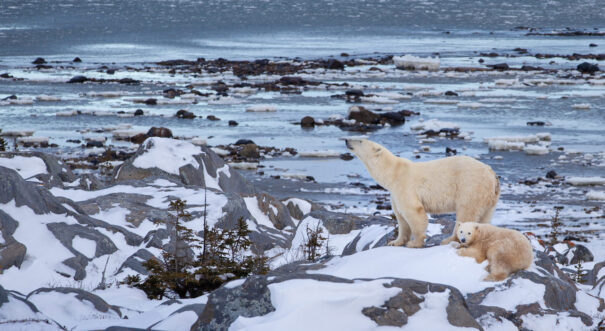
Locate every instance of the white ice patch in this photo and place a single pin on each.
(585, 181)
(595, 195)
(167, 154)
(434, 125)
(261, 109)
(26, 166)
(321, 305)
(85, 246)
(416, 63)
(432, 314)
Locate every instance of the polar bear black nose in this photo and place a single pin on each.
(462, 240)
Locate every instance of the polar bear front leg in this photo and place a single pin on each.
(416, 217)
(403, 233)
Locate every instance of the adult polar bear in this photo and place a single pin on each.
(457, 184)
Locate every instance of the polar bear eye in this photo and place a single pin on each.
(469, 233)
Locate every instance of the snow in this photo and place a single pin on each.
(416, 63)
(559, 322)
(303, 205)
(67, 310)
(85, 246)
(581, 106)
(432, 314)
(585, 181)
(445, 266)
(244, 165)
(166, 154)
(26, 166)
(45, 254)
(378, 100)
(178, 321)
(321, 305)
(261, 218)
(521, 292)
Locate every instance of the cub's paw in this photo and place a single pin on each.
(455, 244)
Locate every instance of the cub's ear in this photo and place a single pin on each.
(476, 227)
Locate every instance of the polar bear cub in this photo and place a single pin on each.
(457, 184)
(506, 250)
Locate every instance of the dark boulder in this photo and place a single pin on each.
(76, 59)
(139, 112)
(77, 79)
(159, 132)
(39, 60)
(233, 123)
(587, 68)
(307, 122)
(184, 114)
(334, 64)
(244, 142)
(500, 66)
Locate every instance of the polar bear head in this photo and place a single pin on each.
(467, 232)
(364, 149)
(376, 158)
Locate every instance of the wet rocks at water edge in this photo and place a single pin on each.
(184, 114)
(588, 68)
(77, 79)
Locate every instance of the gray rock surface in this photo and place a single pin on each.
(99, 304)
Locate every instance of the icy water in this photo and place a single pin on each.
(129, 35)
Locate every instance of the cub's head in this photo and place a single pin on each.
(364, 149)
(467, 232)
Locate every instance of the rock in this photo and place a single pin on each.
(111, 71)
(94, 143)
(139, 138)
(250, 151)
(592, 45)
(244, 142)
(212, 118)
(39, 60)
(159, 132)
(362, 115)
(292, 80)
(354, 93)
(76, 59)
(536, 123)
(77, 79)
(151, 102)
(65, 233)
(531, 68)
(97, 302)
(307, 122)
(451, 94)
(233, 123)
(551, 174)
(500, 66)
(336, 223)
(450, 151)
(139, 112)
(276, 211)
(12, 252)
(393, 118)
(135, 262)
(580, 253)
(225, 305)
(346, 156)
(184, 114)
(587, 68)
(129, 81)
(334, 64)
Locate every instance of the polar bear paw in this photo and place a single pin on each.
(396, 242)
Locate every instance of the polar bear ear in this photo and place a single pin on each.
(377, 150)
(476, 227)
